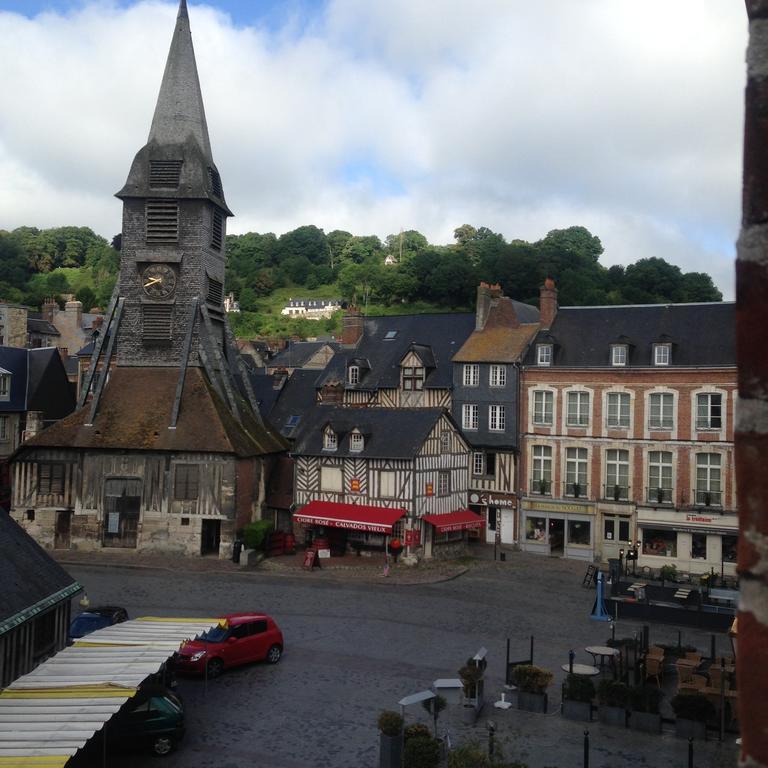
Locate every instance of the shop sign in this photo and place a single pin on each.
(544, 506)
(354, 485)
(506, 500)
(693, 518)
(430, 490)
(412, 538)
(350, 524)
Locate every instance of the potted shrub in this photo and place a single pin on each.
(668, 573)
(421, 752)
(645, 716)
(390, 739)
(416, 731)
(692, 710)
(578, 693)
(613, 698)
(531, 682)
(435, 707)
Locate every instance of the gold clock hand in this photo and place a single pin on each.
(152, 281)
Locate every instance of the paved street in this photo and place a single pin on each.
(355, 647)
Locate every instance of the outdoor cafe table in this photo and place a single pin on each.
(585, 670)
(606, 653)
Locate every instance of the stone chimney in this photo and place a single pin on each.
(351, 327)
(34, 424)
(547, 303)
(49, 309)
(75, 309)
(483, 305)
(97, 322)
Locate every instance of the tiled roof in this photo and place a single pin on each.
(700, 334)
(135, 411)
(496, 345)
(35, 325)
(298, 353)
(296, 399)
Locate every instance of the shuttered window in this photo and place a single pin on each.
(186, 482)
(217, 230)
(164, 174)
(157, 321)
(162, 221)
(215, 292)
(215, 182)
(50, 478)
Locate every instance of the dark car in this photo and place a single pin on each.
(95, 618)
(240, 638)
(151, 720)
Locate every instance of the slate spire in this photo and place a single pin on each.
(180, 112)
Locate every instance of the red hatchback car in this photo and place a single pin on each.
(240, 638)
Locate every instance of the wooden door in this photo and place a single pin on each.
(62, 533)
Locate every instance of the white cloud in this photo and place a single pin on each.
(625, 117)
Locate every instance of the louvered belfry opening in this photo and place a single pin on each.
(162, 221)
(215, 292)
(165, 174)
(215, 180)
(217, 230)
(157, 321)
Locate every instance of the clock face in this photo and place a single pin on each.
(158, 281)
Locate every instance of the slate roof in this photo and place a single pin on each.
(295, 400)
(298, 353)
(135, 411)
(38, 325)
(390, 433)
(701, 334)
(38, 382)
(443, 334)
(28, 575)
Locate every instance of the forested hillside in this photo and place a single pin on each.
(403, 273)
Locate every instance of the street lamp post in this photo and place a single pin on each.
(621, 561)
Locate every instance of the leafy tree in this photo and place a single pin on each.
(361, 249)
(357, 281)
(698, 286)
(308, 242)
(87, 297)
(652, 280)
(405, 245)
(57, 282)
(337, 240)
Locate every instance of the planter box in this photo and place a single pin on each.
(469, 714)
(690, 729)
(645, 722)
(612, 716)
(390, 751)
(577, 710)
(532, 702)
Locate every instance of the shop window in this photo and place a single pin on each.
(729, 548)
(186, 482)
(661, 411)
(659, 542)
(448, 536)
(543, 402)
(709, 411)
(330, 479)
(698, 546)
(493, 514)
(536, 529)
(579, 532)
(578, 409)
(617, 415)
(471, 375)
(387, 485)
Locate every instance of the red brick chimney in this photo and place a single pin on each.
(547, 303)
(351, 327)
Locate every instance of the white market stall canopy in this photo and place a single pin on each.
(50, 713)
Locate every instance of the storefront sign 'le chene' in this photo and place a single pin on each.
(506, 500)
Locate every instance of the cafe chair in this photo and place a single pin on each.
(693, 656)
(654, 668)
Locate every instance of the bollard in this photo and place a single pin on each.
(646, 637)
(712, 648)
(722, 699)
(571, 657)
(586, 749)
(690, 752)
(679, 640)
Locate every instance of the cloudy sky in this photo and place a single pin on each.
(376, 115)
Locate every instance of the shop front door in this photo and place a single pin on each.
(210, 537)
(556, 537)
(63, 528)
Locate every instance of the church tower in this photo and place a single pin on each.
(174, 225)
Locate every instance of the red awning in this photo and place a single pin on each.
(357, 517)
(454, 521)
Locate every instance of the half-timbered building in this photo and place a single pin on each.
(364, 473)
(167, 450)
(486, 383)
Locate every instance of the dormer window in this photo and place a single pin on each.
(619, 355)
(5, 386)
(356, 442)
(330, 440)
(543, 354)
(413, 377)
(353, 374)
(662, 354)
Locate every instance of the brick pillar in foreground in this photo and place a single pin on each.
(752, 423)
